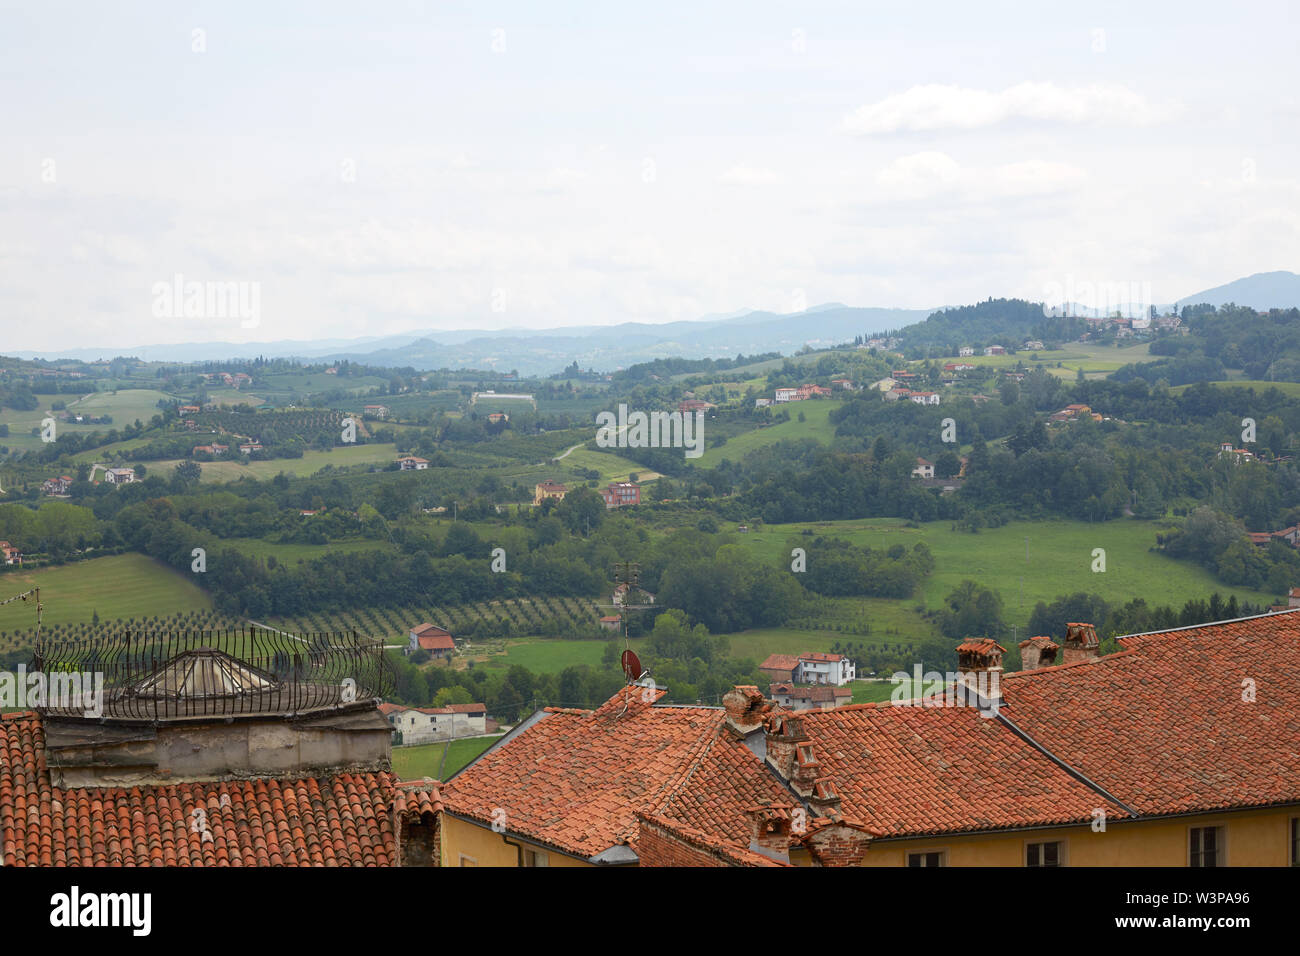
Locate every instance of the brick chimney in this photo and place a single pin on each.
(784, 734)
(1081, 643)
(1038, 652)
(979, 661)
(770, 831)
(746, 707)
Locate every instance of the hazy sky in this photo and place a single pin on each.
(383, 167)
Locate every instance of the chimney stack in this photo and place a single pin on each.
(1081, 643)
(979, 661)
(770, 831)
(1038, 652)
(746, 707)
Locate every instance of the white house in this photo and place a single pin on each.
(923, 469)
(412, 463)
(965, 352)
(821, 668)
(119, 476)
(925, 398)
(420, 725)
(787, 395)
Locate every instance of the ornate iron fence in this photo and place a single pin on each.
(173, 675)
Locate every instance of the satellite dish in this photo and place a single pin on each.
(631, 666)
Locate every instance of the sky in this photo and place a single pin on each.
(382, 168)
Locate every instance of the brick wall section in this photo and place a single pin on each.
(663, 843)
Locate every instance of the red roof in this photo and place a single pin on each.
(822, 657)
(779, 662)
(576, 779)
(343, 820)
(914, 770)
(1162, 724)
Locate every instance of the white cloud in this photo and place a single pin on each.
(936, 107)
(749, 176)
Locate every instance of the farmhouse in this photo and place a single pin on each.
(924, 468)
(375, 411)
(1238, 455)
(781, 668)
(497, 418)
(692, 405)
(810, 698)
(821, 668)
(429, 637)
(786, 395)
(958, 367)
(995, 350)
(965, 351)
(213, 449)
(412, 463)
(10, 554)
(56, 486)
(638, 595)
(620, 494)
(422, 725)
(844, 383)
(119, 476)
(611, 622)
(248, 447)
(189, 409)
(924, 398)
(548, 489)
(812, 391)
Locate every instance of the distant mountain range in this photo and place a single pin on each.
(606, 347)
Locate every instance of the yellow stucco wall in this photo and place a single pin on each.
(1251, 838)
(477, 843)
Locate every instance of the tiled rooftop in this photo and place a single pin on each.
(575, 779)
(345, 820)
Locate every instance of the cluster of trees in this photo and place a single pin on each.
(1220, 543)
(837, 568)
(1132, 617)
(1006, 322)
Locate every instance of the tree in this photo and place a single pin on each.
(189, 472)
(582, 511)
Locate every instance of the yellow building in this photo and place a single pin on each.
(548, 489)
(1181, 749)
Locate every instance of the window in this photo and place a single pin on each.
(1206, 846)
(926, 858)
(536, 858)
(1048, 853)
(1295, 841)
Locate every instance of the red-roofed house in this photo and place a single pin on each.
(432, 638)
(780, 668)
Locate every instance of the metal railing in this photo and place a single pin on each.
(174, 675)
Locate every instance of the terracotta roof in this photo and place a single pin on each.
(436, 642)
(780, 662)
(576, 779)
(821, 656)
(343, 820)
(422, 629)
(1162, 724)
(914, 770)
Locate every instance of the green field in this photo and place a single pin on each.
(1059, 560)
(612, 467)
(1290, 389)
(293, 553)
(122, 585)
(125, 406)
(551, 655)
(310, 463)
(817, 425)
(427, 760)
